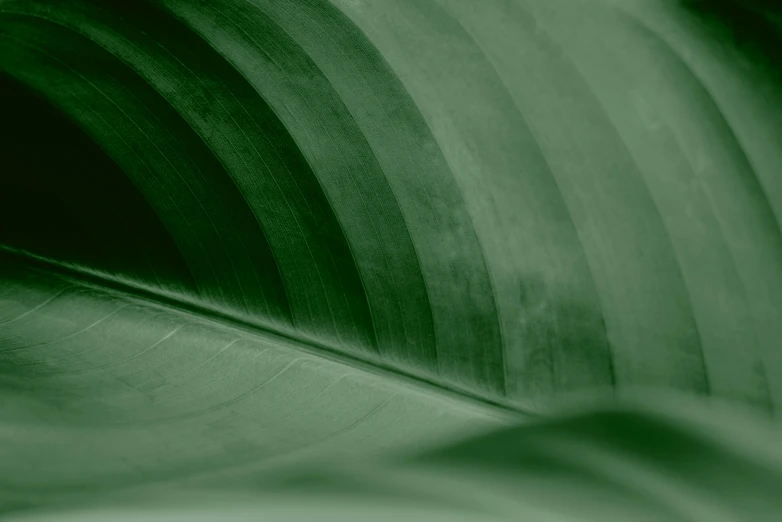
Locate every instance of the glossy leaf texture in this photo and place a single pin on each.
(241, 230)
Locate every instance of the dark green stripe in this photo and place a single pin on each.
(321, 280)
(346, 166)
(459, 287)
(214, 195)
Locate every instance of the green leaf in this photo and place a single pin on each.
(104, 390)
(238, 233)
(680, 460)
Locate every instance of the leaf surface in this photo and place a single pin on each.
(243, 232)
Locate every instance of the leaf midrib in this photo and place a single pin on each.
(495, 406)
